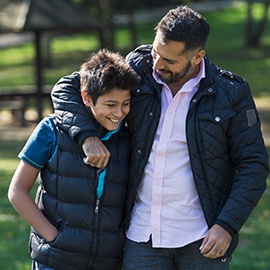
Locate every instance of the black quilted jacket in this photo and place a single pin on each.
(227, 153)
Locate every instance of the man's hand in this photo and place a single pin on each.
(216, 242)
(97, 155)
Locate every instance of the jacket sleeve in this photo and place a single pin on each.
(70, 110)
(248, 153)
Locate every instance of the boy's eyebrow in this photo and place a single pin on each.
(111, 100)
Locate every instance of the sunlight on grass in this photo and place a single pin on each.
(226, 17)
(17, 56)
(8, 165)
(253, 250)
(226, 48)
(258, 10)
(20, 76)
(14, 238)
(84, 42)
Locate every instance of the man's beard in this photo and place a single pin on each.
(175, 77)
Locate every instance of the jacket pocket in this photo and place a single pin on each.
(213, 127)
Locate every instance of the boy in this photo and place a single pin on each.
(77, 216)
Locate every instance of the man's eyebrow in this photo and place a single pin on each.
(166, 59)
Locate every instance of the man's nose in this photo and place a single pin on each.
(157, 64)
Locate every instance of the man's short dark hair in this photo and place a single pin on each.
(185, 25)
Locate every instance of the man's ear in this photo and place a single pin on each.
(197, 58)
(86, 98)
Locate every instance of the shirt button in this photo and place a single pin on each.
(210, 90)
(151, 114)
(194, 100)
(138, 91)
(139, 151)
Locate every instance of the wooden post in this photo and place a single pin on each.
(38, 75)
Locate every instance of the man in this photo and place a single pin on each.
(198, 161)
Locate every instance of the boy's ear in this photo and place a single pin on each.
(86, 98)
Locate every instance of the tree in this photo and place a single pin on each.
(255, 27)
(105, 12)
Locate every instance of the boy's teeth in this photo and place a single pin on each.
(115, 120)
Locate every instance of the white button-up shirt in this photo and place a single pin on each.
(167, 204)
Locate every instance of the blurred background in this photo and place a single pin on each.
(41, 41)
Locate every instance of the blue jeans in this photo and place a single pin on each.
(141, 256)
(39, 266)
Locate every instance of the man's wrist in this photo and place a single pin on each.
(85, 134)
(226, 226)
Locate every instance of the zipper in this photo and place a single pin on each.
(41, 244)
(95, 235)
(101, 173)
(97, 206)
(100, 183)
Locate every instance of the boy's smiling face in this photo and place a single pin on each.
(111, 108)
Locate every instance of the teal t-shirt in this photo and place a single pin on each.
(41, 145)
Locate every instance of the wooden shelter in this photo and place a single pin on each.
(39, 16)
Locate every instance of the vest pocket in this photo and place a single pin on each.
(38, 249)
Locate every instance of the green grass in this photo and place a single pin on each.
(253, 250)
(13, 230)
(225, 48)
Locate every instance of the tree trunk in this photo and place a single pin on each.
(105, 14)
(254, 32)
(131, 24)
